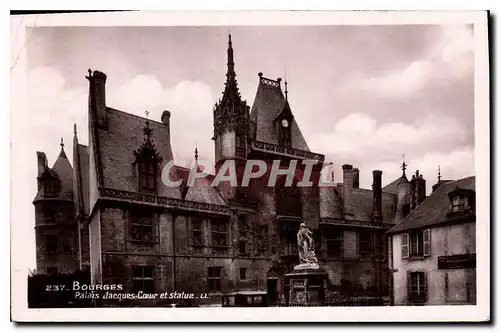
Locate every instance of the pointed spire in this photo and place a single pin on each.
(231, 92)
(74, 129)
(439, 173)
(62, 154)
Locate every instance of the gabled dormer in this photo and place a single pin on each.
(147, 163)
(461, 201)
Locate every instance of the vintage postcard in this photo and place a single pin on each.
(250, 166)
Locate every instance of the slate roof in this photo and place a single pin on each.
(124, 136)
(393, 186)
(434, 208)
(203, 192)
(361, 202)
(268, 104)
(83, 159)
(64, 171)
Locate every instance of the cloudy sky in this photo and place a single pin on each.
(363, 95)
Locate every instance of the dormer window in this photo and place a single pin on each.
(50, 189)
(284, 132)
(461, 201)
(458, 203)
(148, 170)
(147, 161)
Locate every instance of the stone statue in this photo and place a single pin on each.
(306, 246)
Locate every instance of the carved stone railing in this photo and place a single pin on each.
(295, 153)
(172, 203)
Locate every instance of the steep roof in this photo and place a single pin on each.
(124, 136)
(392, 187)
(268, 104)
(83, 153)
(202, 190)
(434, 208)
(64, 171)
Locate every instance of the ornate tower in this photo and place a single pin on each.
(231, 125)
(55, 227)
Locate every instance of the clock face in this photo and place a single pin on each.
(284, 123)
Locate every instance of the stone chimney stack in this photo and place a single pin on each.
(347, 186)
(97, 97)
(377, 196)
(355, 178)
(165, 119)
(418, 189)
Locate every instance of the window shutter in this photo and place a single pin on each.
(426, 284)
(427, 242)
(408, 286)
(405, 252)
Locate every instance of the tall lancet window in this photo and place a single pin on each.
(147, 161)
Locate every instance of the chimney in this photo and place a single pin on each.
(418, 189)
(97, 97)
(355, 178)
(377, 196)
(165, 119)
(42, 162)
(347, 187)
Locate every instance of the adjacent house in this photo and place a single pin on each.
(433, 249)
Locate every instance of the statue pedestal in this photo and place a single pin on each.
(307, 285)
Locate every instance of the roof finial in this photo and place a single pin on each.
(333, 173)
(439, 173)
(403, 166)
(74, 128)
(62, 143)
(147, 131)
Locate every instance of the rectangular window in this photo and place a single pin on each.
(365, 244)
(143, 279)
(405, 246)
(243, 231)
(48, 214)
(240, 146)
(261, 243)
(142, 228)
(51, 244)
(333, 239)
(219, 231)
(147, 176)
(243, 273)
(418, 287)
(197, 232)
(214, 278)
(458, 203)
(420, 243)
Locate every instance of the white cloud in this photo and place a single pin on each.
(190, 104)
(450, 57)
(358, 136)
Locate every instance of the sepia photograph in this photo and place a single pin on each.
(293, 165)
